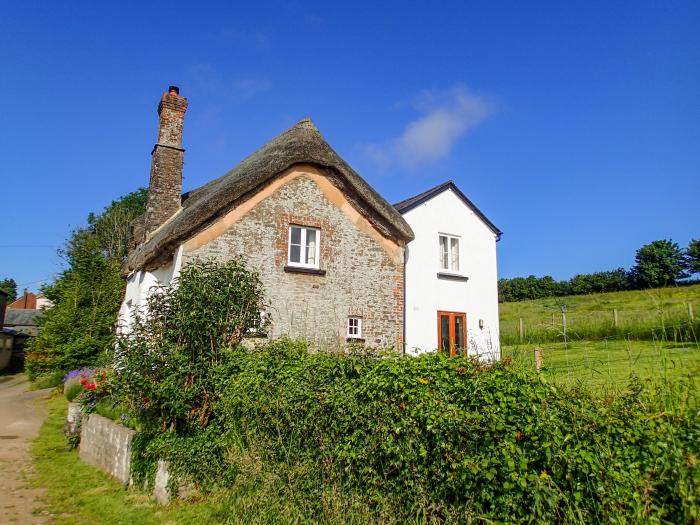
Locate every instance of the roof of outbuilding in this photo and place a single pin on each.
(410, 203)
(301, 144)
(21, 317)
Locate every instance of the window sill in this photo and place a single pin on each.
(355, 340)
(301, 269)
(452, 276)
(255, 335)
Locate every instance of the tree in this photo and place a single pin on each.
(168, 360)
(9, 286)
(79, 330)
(693, 255)
(659, 263)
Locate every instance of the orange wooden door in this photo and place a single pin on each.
(452, 332)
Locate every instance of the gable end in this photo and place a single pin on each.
(407, 205)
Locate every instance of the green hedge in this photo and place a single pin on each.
(444, 438)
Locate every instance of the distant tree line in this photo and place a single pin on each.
(659, 263)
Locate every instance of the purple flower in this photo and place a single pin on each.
(84, 373)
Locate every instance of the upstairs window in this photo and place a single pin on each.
(449, 253)
(304, 246)
(354, 327)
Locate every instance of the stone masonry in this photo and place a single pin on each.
(165, 186)
(107, 446)
(361, 278)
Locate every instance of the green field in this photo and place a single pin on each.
(653, 315)
(610, 363)
(654, 337)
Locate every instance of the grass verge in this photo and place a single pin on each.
(77, 493)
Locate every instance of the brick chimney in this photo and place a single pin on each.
(165, 187)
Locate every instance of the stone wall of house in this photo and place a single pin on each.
(361, 277)
(107, 446)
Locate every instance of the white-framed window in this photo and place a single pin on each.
(304, 246)
(449, 252)
(355, 327)
(260, 324)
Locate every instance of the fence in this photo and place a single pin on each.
(610, 362)
(601, 341)
(675, 322)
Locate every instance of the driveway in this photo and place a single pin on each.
(21, 414)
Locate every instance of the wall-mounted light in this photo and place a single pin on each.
(481, 324)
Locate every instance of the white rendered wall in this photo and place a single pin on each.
(426, 293)
(140, 282)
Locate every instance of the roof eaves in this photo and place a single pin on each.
(407, 205)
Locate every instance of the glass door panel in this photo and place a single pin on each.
(452, 333)
(459, 334)
(444, 337)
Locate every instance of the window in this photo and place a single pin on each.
(452, 333)
(304, 246)
(355, 327)
(449, 253)
(259, 324)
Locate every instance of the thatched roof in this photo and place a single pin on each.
(301, 144)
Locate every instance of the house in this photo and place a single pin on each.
(17, 324)
(451, 280)
(330, 251)
(30, 301)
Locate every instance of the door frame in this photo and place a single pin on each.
(451, 336)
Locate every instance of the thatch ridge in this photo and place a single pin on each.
(301, 144)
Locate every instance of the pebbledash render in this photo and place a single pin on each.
(331, 252)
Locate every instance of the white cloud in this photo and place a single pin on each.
(446, 117)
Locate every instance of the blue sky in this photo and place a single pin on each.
(575, 126)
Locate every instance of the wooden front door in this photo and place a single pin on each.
(452, 332)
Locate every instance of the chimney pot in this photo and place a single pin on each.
(174, 89)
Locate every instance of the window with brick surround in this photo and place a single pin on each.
(260, 324)
(355, 327)
(304, 247)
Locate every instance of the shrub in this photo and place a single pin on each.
(436, 438)
(71, 389)
(167, 362)
(47, 380)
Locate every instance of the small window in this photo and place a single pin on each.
(449, 253)
(304, 246)
(259, 324)
(355, 327)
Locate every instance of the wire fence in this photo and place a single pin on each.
(611, 361)
(669, 321)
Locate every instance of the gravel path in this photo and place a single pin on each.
(21, 414)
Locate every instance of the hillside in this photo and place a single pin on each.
(640, 314)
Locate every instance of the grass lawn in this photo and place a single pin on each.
(611, 362)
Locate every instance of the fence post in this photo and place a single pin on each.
(521, 330)
(691, 315)
(615, 319)
(539, 358)
(563, 323)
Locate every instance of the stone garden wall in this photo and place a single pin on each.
(107, 446)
